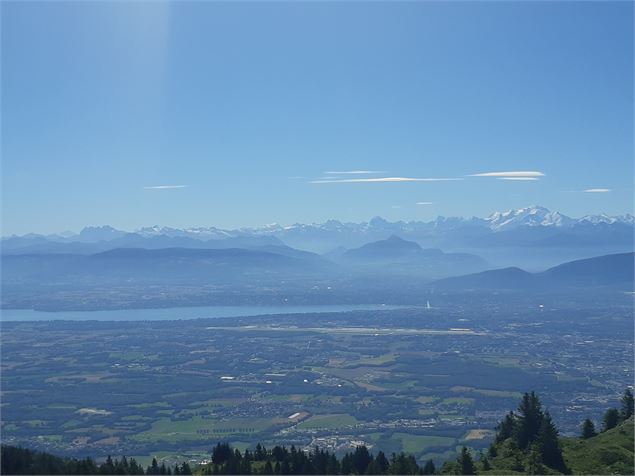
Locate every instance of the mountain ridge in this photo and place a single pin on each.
(601, 271)
(532, 216)
(531, 237)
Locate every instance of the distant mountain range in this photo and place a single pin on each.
(395, 255)
(386, 271)
(255, 265)
(169, 266)
(503, 238)
(614, 271)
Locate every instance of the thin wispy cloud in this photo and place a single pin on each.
(513, 174)
(424, 203)
(517, 178)
(597, 190)
(164, 187)
(385, 179)
(355, 172)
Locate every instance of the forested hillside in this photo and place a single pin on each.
(528, 442)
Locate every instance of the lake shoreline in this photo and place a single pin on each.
(180, 313)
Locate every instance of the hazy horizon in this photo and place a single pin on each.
(264, 225)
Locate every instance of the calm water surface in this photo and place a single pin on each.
(178, 312)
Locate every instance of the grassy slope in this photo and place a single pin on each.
(610, 452)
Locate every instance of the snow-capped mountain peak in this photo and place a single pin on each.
(201, 233)
(529, 216)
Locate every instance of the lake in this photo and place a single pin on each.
(167, 314)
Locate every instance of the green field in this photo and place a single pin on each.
(418, 443)
(328, 421)
(197, 428)
(373, 361)
(487, 392)
(458, 401)
(427, 399)
(143, 406)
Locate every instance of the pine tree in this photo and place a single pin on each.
(518, 465)
(373, 468)
(108, 467)
(347, 464)
(411, 465)
(429, 467)
(124, 465)
(333, 465)
(529, 420)
(221, 453)
(506, 428)
(534, 460)
(382, 462)
(361, 459)
(611, 419)
(278, 453)
(627, 404)
(403, 464)
(492, 451)
(550, 445)
(588, 429)
(466, 463)
(154, 468)
(485, 462)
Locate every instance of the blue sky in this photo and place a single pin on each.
(244, 105)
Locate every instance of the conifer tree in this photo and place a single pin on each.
(258, 453)
(361, 459)
(429, 467)
(529, 420)
(154, 468)
(466, 463)
(267, 468)
(506, 428)
(485, 463)
(492, 451)
(108, 467)
(588, 429)
(627, 404)
(534, 460)
(549, 445)
(347, 464)
(518, 465)
(611, 419)
(221, 453)
(382, 462)
(333, 465)
(185, 469)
